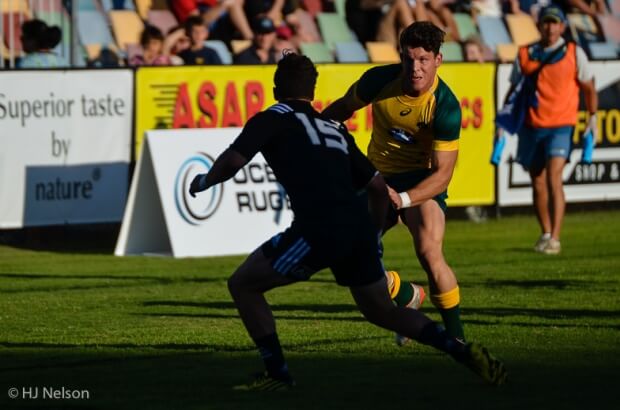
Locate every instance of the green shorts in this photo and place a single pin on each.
(407, 180)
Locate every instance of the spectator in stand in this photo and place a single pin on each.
(38, 41)
(440, 15)
(176, 42)
(198, 53)
(262, 50)
(152, 42)
(213, 14)
(118, 4)
(107, 58)
(591, 7)
(473, 50)
(383, 20)
(491, 8)
(286, 16)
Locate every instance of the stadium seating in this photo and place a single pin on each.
(127, 27)
(143, 7)
(493, 31)
(334, 29)
(507, 53)
(465, 25)
(522, 29)
(452, 51)
(86, 5)
(339, 6)
(317, 52)
(93, 29)
(99, 25)
(222, 51)
(603, 51)
(351, 52)
(51, 6)
(611, 28)
(15, 6)
(382, 52)
(11, 30)
(162, 19)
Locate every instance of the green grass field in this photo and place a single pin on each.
(146, 332)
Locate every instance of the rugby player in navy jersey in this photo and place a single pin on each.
(322, 170)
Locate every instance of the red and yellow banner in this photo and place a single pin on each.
(209, 97)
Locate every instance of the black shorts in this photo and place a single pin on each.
(405, 181)
(351, 253)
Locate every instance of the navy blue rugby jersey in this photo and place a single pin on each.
(314, 158)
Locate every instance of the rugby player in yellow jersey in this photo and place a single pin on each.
(414, 145)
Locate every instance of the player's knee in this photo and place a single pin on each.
(235, 285)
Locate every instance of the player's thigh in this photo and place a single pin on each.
(373, 299)
(426, 223)
(256, 273)
(355, 257)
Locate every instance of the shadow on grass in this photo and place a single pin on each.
(558, 284)
(310, 307)
(136, 279)
(196, 380)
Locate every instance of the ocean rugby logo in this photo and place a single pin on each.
(199, 209)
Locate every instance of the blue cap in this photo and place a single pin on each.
(552, 13)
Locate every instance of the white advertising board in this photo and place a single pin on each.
(599, 181)
(66, 146)
(231, 218)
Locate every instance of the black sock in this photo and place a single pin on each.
(271, 352)
(435, 335)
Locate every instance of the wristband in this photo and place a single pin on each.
(405, 199)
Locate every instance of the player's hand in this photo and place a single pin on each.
(394, 197)
(199, 184)
(592, 127)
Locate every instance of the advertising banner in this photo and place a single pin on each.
(231, 218)
(208, 97)
(598, 181)
(66, 146)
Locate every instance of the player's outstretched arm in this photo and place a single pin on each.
(224, 168)
(343, 108)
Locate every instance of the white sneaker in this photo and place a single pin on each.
(418, 298)
(541, 243)
(552, 247)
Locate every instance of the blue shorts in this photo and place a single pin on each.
(537, 145)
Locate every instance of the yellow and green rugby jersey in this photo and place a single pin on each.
(406, 129)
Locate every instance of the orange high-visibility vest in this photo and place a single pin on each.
(557, 89)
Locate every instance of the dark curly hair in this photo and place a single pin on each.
(150, 33)
(37, 35)
(422, 34)
(295, 77)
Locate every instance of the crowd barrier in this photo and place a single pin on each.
(69, 137)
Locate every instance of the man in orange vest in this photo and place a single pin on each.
(545, 139)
